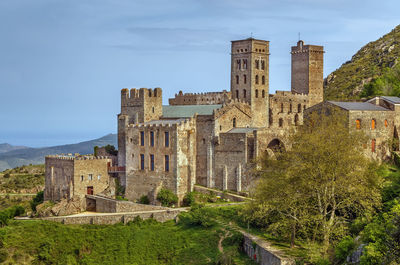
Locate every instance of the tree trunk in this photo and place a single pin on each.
(293, 235)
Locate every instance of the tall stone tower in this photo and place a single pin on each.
(307, 71)
(250, 77)
(137, 106)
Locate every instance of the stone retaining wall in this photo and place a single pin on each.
(225, 195)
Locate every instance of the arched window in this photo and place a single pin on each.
(280, 122)
(237, 79)
(237, 93)
(244, 79)
(281, 107)
(256, 79)
(304, 107)
(244, 63)
(238, 64)
(244, 93)
(263, 80)
(290, 108)
(263, 93)
(373, 143)
(386, 123)
(152, 109)
(234, 123)
(262, 64)
(296, 119)
(358, 124)
(373, 123)
(256, 93)
(257, 64)
(299, 108)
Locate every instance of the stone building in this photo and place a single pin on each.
(68, 176)
(377, 118)
(213, 137)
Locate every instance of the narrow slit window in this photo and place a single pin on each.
(152, 162)
(141, 161)
(166, 162)
(142, 138)
(151, 138)
(166, 139)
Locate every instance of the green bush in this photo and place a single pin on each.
(198, 216)
(144, 200)
(38, 199)
(189, 199)
(3, 255)
(120, 198)
(344, 248)
(167, 198)
(10, 213)
(7, 175)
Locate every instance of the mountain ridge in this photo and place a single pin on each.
(29, 155)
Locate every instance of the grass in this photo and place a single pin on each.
(24, 179)
(141, 242)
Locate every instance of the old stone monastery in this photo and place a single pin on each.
(211, 139)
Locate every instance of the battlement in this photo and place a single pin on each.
(280, 93)
(161, 123)
(140, 93)
(204, 98)
(79, 157)
(301, 48)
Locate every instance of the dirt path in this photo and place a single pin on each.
(222, 237)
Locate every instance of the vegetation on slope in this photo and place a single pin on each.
(139, 242)
(24, 179)
(369, 63)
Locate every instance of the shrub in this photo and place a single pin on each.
(144, 200)
(10, 213)
(38, 199)
(198, 216)
(344, 248)
(7, 175)
(189, 199)
(3, 255)
(167, 197)
(120, 198)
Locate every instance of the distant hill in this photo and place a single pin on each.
(369, 63)
(34, 156)
(8, 147)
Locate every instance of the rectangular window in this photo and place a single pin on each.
(166, 139)
(151, 138)
(152, 162)
(98, 177)
(90, 177)
(166, 162)
(142, 138)
(141, 161)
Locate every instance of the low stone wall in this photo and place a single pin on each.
(225, 195)
(109, 219)
(260, 251)
(107, 205)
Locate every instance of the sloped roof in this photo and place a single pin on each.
(186, 111)
(242, 130)
(163, 122)
(394, 100)
(358, 106)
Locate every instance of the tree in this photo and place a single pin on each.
(323, 181)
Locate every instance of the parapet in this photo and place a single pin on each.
(140, 94)
(79, 157)
(301, 48)
(206, 98)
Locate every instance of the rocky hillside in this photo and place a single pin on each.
(347, 82)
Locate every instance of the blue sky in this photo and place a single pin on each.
(63, 62)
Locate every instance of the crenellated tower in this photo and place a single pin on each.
(308, 71)
(137, 106)
(250, 77)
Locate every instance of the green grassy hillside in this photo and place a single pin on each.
(370, 62)
(141, 242)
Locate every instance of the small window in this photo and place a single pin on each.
(373, 143)
(98, 177)
(290, 108)
(386, 123)
(237, 93)
(281, 107)
(152, 162)
(280, 122)
(141, 161)
(244, 93)
(263, 80)
(237, 79)
(204, 141)
(244, 63)
(90, 176)
(373, 123)
(262, 64)
(263, 93)
(296, 119)
(131, 140)
(257, 64)
(142, 138)
(256, 93)
(152, 109)
(220, 127)
(238, 64)
(82, 178)
(256, 79)
(234, 123)
(299, 108)
(358, 124)
(166, 163)
(166, 139)
(304, 107)
(151, 138)
(244, 79)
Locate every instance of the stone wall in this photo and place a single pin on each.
(207, 98)
(115, 218)
(59, 181)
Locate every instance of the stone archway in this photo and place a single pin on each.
(276, 145)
